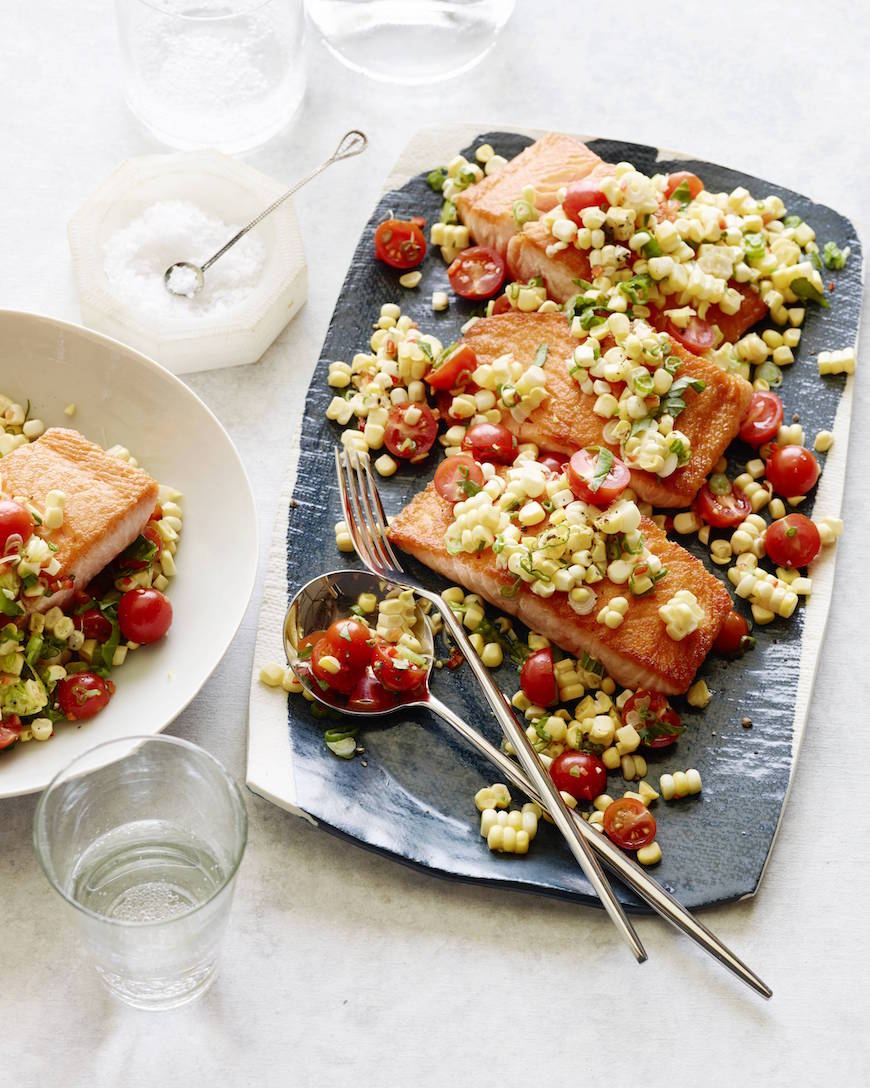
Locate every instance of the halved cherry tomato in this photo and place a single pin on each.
(629, 824)
(553, 462)
(582, 774)
(653, 717)
(394, 671)
(582, 469)
(151, 534)
(582, 194)
(734, 637)
(370, 696)
(501, 305)
(344, 680)
(457, 477)
(792, 541)
(763, 419)
(309, 640)
(694, 183)
(144, 615)
(400, 243)
(410, 441)
(455, 370)
(93, 624)
(10, 731)
(351, 643)
(15, 520)
(792, 470)
(722, 511)
(83, 695)
(490, 442)
(697, 336)
(538, 679)
(477, 273)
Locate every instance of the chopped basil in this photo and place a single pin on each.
(641, 425)
(804, 289)
(9, 608)
(541, 355)
(602, 469)
(834, 257)
(815, 260)
(436, 179)
(652, 249)
(672, 402)
(142, 550)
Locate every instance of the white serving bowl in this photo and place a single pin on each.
(221, 187)
(124, 398)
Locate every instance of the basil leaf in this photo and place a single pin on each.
(602, 469)
(637, 288)
(9, 608)
(672, 403)
(804, 289)
(141, 550)
(652, 249)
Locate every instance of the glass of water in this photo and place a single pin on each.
(143, 838)
(227, 74)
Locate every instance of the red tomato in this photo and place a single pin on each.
(455, 370)
(310, 640)
(15, 520)
(10, 731)
(693, 182)
(82, 695)
(629, 823)
(722, 511)
(502, 305)
(394, 671)
(490, 442)
(697, 336)
(734, 637)
(144, 615)
(93, 624)
(538, 680)
(351, 643)
(453, 472)
(344, 680)
(400, 243)
(581, 774)
(370, 696)
(153, 537)
(581, 474)
(762, 420)
(792, 541)
(553, 462)
(792, 470)
(477, 273)
(581, 195)
(410, 441)
(653, 717)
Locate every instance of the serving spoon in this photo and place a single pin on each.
(186, 278)
(330, 597)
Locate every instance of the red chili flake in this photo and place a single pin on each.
(831, 286)
(455, 660)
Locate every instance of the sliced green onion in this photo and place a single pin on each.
(652, 249)
(436, 178)
(642, 381)
(523, 212)
(792, 221)
(770, 373)
(448, 212)
(834, 257)
(754, 247)
(804, 289)
(344, 748)
(719, 484)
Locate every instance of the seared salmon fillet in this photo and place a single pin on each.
(108, 502)
(551, 162)
(638, 654)
(566, 421)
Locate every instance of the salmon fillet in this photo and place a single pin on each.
(566, 421)
(108, 502)
(551, 162)
(638, 654)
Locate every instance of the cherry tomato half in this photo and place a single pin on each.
(15, 520)
(370, 696)
(629, 824)
(553, 462)
(82, 696)
(344, 680)
(351, 643)
(763, 418)
(538, 680)
(582, 194)
(10, 731)
(697, 336)
(582, 774)
(309, 640)
(153, 537)
(693, 182)
(144, 615)
(394, 671)
(653, 717)
(502, 305)
(455, 370)
(792, 470)
(490, 442)
(582, 469)
(722, 511)
(792, 541)
(410, 441)
(457, 477)
(400, 243)
(477, 273)
(734, 637)
(93, 624)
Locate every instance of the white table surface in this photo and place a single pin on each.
(341, 967)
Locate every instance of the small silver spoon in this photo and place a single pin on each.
(330, 597)
(188, 278)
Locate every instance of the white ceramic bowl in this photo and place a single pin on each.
(123, 397)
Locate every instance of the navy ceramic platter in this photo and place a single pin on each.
(410, 796)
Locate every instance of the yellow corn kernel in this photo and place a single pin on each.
(650, 854)
(699, 694)
(824, 441)
(272, 674)
(495, 796)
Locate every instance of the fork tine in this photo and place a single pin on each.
(347, 489)
(374, 524)
(379, 562)
(381, 519)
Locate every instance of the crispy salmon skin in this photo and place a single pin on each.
(638, 654)
(565, 421)
(108, 502)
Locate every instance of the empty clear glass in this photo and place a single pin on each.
(227, 74)
(143, 838)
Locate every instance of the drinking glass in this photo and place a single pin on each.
(410, 41)
(225, 74)
(143, 838)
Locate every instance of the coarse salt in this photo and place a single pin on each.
(137, 255)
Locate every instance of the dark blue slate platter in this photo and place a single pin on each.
(412, 799)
